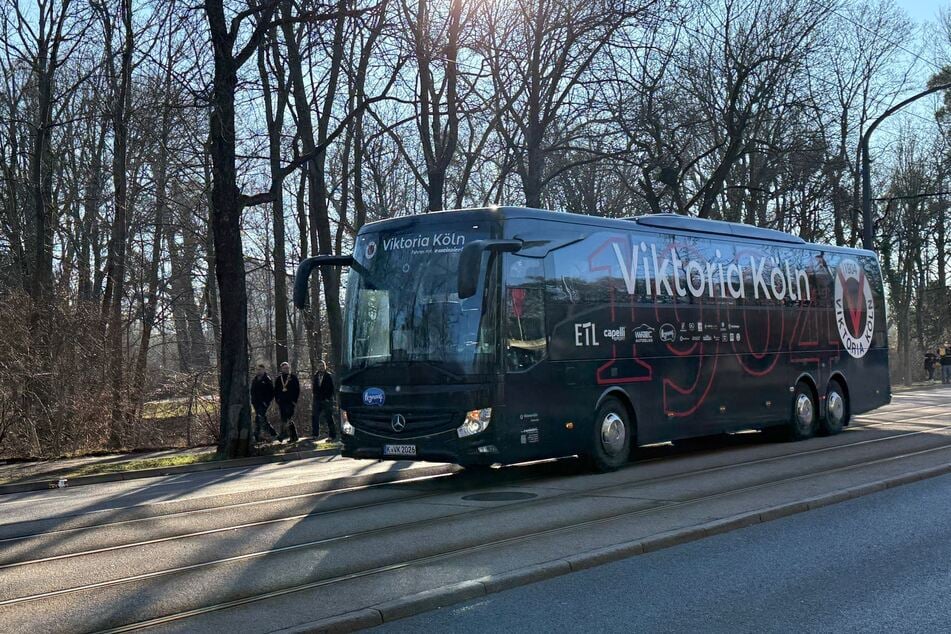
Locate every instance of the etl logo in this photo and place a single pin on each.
(373, 396)
(585, 334)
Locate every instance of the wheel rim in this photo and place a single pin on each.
(805, 412)
(613, 434)
(836, 408)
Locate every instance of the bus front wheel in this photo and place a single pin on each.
(610, 438)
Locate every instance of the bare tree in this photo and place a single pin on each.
(436, 41)
(270, 63)
(226, 207)
(540, 53)
(120, 80)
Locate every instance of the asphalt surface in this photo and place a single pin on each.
(880, 563)
(276, 546)
(110, 496)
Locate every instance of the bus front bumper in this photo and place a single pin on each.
(440, 447)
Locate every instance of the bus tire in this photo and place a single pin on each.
(610, 437)
(837, 410)
(804, 420)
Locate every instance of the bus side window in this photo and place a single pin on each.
(524, 313)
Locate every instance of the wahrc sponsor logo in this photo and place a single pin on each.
(644, 334)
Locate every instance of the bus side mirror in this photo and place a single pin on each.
(470, 262)
(304, 269)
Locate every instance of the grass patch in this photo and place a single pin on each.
(178, 407)
(275, 449)
(164, 462)
(271, 449)
(144, 463)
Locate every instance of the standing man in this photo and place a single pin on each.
(946, 365)
(930, 359)
(262, 393)
(324, 401)
(286, 393)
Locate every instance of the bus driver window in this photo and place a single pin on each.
(524, 312)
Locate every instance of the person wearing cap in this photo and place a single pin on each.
(262, 393)
(286, 393)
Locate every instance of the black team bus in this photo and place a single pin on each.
(505, 334)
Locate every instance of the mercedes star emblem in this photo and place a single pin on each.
(398, 422)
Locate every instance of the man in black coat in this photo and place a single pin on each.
(262, 393)
(946, 365)
(286, 393)
(322, 388)
(930, 360)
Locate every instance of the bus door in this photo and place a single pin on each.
(532, 421)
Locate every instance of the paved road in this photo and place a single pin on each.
(268, 547)
(880, 563)
(165, 490)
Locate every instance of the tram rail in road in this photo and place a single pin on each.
(359, 556)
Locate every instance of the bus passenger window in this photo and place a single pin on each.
(524, 314)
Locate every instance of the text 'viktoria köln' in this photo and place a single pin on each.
(770, 278)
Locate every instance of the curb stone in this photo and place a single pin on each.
(40, 485)
(525, 576)
(429, 600)
(465, 590)
(346, 622)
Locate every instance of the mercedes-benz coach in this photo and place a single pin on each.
(509, 334)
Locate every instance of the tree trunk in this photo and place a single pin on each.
(116, 262)
(91, 200)
(150, 301)
(275, 124)
(941, 245)
(211, 284)
(41, 181)
(317, 189)
(234, 400)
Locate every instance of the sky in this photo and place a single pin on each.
(922, 10)
(922, 112)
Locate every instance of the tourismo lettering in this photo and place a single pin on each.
(670, 275)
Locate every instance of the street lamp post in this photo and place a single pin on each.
(866, 177)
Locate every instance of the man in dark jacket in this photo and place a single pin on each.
(286, 393)
(262, 393)
(946, 365)
(323, 391)
(930, 359)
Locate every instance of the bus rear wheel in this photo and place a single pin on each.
(837, 410)
(804, 420)
(611, 437)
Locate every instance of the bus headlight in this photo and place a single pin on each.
(345, 425)
(476, 422)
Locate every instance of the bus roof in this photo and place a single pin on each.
(654, 222)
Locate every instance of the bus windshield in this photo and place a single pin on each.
(403, 304)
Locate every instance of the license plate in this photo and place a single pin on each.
(399, 450)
